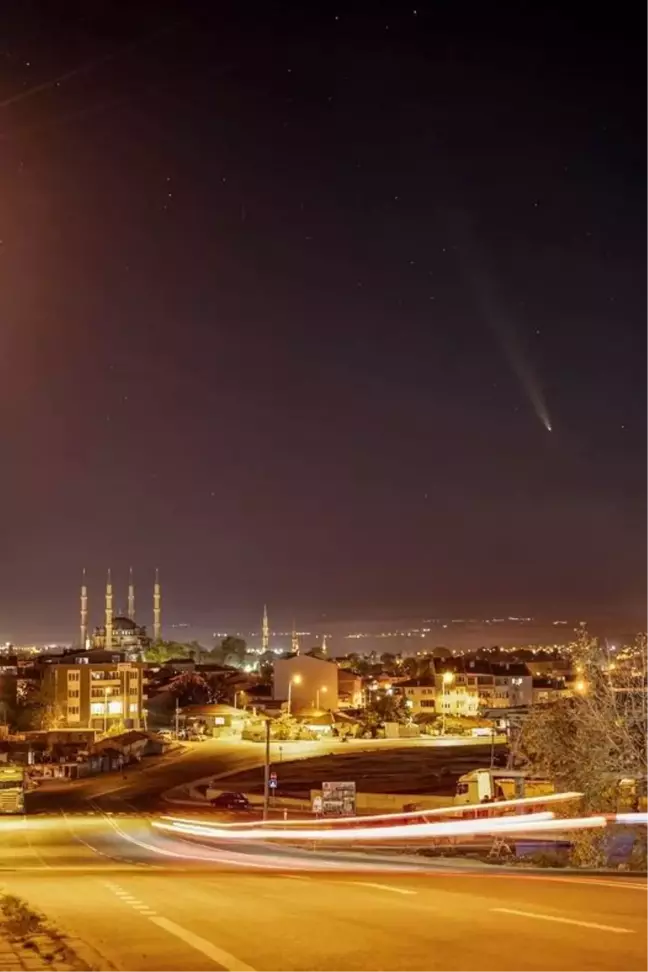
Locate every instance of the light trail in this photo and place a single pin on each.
(410, 815)
(405, 832)
(544, 822)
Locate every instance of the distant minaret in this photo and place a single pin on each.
(131, 595)
(323, 644)
(294, 641)
(109, 612)
(157, 610)
(84, 611)
(265, 631)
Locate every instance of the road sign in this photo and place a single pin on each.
(339, 799)
(317, 804)
(272, 781)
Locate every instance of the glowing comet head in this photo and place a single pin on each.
(548, 425)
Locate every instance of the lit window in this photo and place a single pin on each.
(134, 707)
(115, 708)
(97, 708)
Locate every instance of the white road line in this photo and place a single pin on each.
(563, 921)
(626, 885)
(215, 954)
(383, 887)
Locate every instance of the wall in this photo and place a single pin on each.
(314, 675)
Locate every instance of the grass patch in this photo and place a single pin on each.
(416, 771)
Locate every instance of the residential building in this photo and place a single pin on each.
(306, 682)
(96, 689)
(419, 694)
(476, 684)
(350, 693)
(549, 690)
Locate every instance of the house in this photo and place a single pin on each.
(546, 690)
(419, 695)
(466, 687)
(350, 694)
(215, 718)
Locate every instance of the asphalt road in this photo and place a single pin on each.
(140, 899)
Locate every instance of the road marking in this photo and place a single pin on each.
(383, 887)
(228, 962)
(564, 921)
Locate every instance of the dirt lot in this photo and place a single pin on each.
(425, 770)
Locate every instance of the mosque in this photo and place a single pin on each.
(121, 631)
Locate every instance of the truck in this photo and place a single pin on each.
(482, 785)
(12, 788)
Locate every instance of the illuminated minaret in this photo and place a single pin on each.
(294, 641)
(265, 631)
(84, 611)
(323, 644)
(157, 610)
(109, 612)
(131, 595)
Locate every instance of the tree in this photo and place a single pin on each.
(231, 651)
(590, 742)
(190, 688)
(36, 707)
(162, 651)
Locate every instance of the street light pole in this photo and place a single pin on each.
(446, 679)
(296, 679)
(266, 772)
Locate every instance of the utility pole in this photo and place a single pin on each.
(266, 772)
(177, 718)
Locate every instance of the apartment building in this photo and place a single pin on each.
(94, 689)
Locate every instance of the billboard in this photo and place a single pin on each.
(338, 799)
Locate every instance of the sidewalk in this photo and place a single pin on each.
(40, 951)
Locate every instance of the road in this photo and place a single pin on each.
(142, 900)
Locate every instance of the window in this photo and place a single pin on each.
(73, 693)
(133, 708)
(73, 713)
(97, 708)
(73, 676)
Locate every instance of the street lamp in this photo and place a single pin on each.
(580, 686)
(106, 693)
(447, 679)
(295, 680)
(322, 689)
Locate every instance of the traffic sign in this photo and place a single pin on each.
(273, 784)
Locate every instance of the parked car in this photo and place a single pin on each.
(231, 801)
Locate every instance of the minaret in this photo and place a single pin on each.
(157, 610)
(294, 641)
(84, 611)
(131, 595)
(109, 613)
(323, 644)
(265, 631)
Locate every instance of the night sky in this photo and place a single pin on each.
(289, 298)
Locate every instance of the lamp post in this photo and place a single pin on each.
(106, 691)
(447, 679)
(295, 680)
(322, 689)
